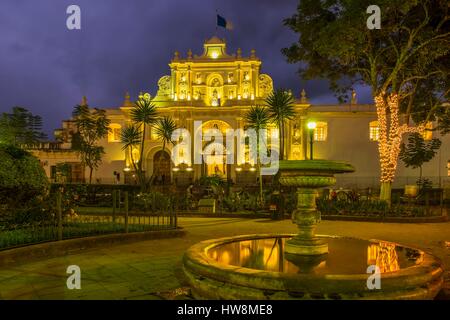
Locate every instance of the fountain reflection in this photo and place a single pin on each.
(346, 256)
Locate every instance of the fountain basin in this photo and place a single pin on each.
(257, 267)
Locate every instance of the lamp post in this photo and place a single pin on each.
(311, 126)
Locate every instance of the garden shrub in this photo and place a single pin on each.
(23, 187)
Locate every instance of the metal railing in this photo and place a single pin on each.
(73, 225)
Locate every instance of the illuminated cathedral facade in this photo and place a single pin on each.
(218, 88)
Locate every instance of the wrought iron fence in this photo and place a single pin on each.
(71, 225)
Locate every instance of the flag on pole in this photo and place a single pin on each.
(222, 22)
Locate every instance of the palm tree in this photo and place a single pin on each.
(130, 136)
(164, 128)
(281, 108)
(257, 118)
(144, 113)
(92, 125)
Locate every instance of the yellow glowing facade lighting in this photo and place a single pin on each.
(214, 54)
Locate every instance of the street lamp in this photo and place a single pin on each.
(311, 126)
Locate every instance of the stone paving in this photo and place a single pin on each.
(152, 269)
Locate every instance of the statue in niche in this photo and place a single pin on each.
(198, 78)
(215, 98)
(215, 82)
(245, 93)
(230, 77)
(183, 78)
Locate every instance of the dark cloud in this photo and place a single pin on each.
(125, 45)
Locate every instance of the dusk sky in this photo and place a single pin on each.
(126, 45)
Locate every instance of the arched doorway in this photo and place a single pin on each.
(161, 167)
(214, 152)
(215, 160)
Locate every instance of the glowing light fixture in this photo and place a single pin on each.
(214, 54)
(311, 126)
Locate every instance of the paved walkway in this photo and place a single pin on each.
(152, 269)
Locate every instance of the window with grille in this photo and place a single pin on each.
(320, 132)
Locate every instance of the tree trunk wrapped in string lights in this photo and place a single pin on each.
(390, 139)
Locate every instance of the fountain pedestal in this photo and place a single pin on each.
(308, 176)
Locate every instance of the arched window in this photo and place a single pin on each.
(114, 132)
(321, 131)
(374, 131)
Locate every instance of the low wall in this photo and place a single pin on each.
(433, 219)
(71, 246)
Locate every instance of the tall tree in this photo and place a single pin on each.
(281, 108)
(21, 128)
(92, 125)
(143, 114)
(257, 118)
(409, 54)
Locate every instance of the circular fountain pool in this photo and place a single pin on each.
(257, 267)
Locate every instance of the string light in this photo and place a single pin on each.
(390, 136)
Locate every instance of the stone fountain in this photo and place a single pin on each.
(306, 265)
(307, 176)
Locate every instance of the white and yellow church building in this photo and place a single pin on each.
(218, 88)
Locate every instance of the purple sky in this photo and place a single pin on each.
(125, 45)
